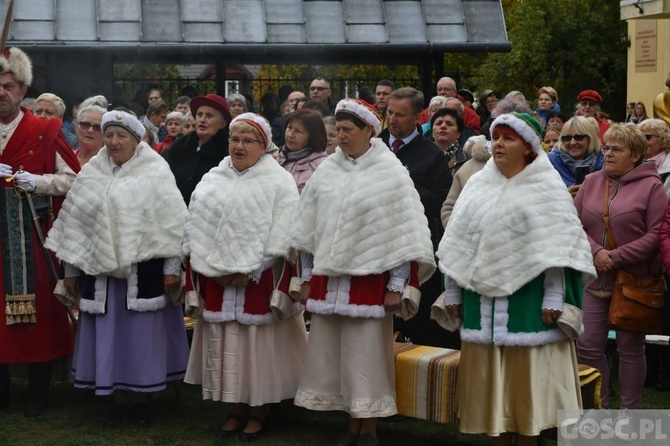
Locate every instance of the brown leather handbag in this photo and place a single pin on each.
(637, 303)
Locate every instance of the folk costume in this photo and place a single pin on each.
(238, 222)
(361, 230)
(512, 247)
(34, 326)
(120, 230)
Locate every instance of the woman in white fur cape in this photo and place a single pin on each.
(244, 349)
(119, 235)
(364, 240)
(515, 259)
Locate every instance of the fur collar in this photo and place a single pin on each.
(505, 232)
(363, 218)
(236, 219)
(111, 221)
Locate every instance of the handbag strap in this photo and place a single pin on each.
(606, 216)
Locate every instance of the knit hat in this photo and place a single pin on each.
(124, 120)
(591, 95)
(259, 123)
(362, 110)
(15, 61)
(213, 100)
(523, 124)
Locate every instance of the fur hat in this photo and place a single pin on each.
(362, 110)
(523, 124)
(15, 61)
(124, 120)
(259, 123)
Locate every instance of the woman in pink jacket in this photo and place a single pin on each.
(636, 202)
(305, 145)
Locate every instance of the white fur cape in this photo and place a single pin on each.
(236, 219)
(110, 222)
(505, 232)
(361, 219)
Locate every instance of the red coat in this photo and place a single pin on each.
(471, 119)
(34, 145)
(361, 296)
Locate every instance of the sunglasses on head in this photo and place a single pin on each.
(568, 138)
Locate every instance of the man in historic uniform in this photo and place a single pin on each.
(35, 159)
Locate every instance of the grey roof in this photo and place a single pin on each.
(439, 25)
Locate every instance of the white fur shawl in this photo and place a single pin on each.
(236, 219)
(109, 222)
(505, 232)
(365, 218)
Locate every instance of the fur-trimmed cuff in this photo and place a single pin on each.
(409, 302)
(439, 313)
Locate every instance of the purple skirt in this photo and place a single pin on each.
(129, 350)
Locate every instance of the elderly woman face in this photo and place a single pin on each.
(296, 136)
(236, 108)
(46, 110)
(189, 126)
(354, 141)
(120, 144)
(619, 159)
(246, 148)
(544, 102)
(435, 107)
(89, 132)
(510, 152)
(653, 144)
(174, 127)
(575, 144)
(208, 121)
(445, 131)
(331, 131)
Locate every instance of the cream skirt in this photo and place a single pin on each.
(349, 366)
(251, 364)
(516, 389)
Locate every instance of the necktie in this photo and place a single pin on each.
(396, 145)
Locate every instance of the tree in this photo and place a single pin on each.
(571, 45)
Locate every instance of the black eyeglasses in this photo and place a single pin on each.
(578, 138)
(318, 88)
(649, 136)
(87, 126)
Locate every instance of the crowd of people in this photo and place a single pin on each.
(472, 225)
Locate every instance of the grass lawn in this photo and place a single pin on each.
(76, 417)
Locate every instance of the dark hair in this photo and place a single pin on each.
(358, 122)
(451, 112)
(317, 106)
(157, 108)
(366, 94)
(467, 95)
(386, 83)
(318, 138)
(183, 100)
(556, 114)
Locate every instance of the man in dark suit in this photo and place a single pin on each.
(429, 170)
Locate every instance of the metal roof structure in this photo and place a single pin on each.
(261, 30)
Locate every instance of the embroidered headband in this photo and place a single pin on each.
(361, 110)
(524, 125)
(259, 123)
(124, 120)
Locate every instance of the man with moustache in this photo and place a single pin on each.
(35, 157)
(384, 89)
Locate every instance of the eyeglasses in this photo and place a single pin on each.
(616, 150)
(86, 126)
(578, 138)
(246, 142)
(318, 88)
(650, 136)
(588, 103)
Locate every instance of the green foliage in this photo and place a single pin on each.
(571, 45)
(144, 71)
